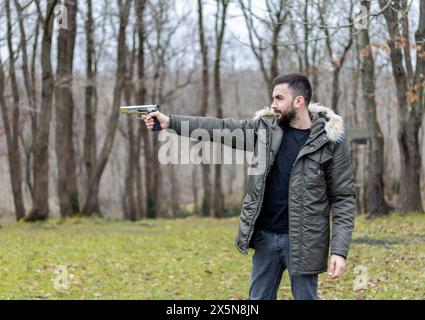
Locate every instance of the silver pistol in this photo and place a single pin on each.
(143, 110)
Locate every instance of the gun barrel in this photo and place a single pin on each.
(141, 109)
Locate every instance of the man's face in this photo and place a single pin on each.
(283, 104)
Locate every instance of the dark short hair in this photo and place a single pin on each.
(298, 83)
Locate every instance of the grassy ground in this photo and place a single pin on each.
(192, 258)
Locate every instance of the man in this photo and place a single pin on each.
(308, 182)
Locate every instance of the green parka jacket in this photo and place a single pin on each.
(321, 187)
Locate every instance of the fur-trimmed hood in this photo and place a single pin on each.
(334, 124)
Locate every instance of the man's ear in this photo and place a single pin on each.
(299, 102)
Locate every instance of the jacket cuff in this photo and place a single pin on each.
(170, 124)
(339, 254)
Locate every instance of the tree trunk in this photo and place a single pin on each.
(10, 148)
(279, 18)
(314, 73)
(34, 114)
(14, 152)
(218, 97)
(355, 121)
(143, 134)
(90, 141)
(410, 104)
(140, 98)
(131, 207)
(157, 205)
(40, 209)
(175, 194)
(67, 177)
(195, 189)
(29, 89)
(375, 200)
(91, 204)
(206, 168)
(139, 186)
(335, 89)
(410, 192)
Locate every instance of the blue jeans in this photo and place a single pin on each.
(270, 260)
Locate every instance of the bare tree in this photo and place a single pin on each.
(67, 178)
(130, 209)
(40, 209)
(14, 152)
(337, 59)
(375, 201)
(163, 88)
(206, 168)
(266, 52)
(142, 131)
(308, 55)
(140, 98)
(90, 141)
(28, 72)
(91, 204)
(157, 51)
(355, 120)
(220, 27)
(410, 94)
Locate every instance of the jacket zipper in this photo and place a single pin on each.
(289, 207)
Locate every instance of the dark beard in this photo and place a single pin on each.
(286, 119)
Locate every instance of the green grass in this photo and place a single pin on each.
(192, 258)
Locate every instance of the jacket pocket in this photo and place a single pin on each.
(314, 166)
(316, 233)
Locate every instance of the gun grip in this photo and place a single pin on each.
(156, 125)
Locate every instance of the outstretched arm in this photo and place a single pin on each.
(218, 129)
